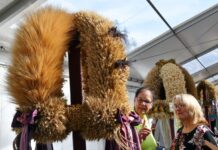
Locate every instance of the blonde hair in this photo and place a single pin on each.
(193, 107)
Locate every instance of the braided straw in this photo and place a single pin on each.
(168, 79)
(35, 75)
(210, 91)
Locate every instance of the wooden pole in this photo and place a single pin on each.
(205, 99)
(75, 89)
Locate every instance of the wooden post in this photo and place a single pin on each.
(205, 99)
(75, 89)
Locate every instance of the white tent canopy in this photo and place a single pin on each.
(199, 35)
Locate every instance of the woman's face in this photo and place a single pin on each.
(181, 111)
(143, 102)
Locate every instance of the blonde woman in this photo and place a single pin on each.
(194, 130)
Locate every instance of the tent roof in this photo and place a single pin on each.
(199, 35)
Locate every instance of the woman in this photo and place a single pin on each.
(194, 130)
(142, 104)
(210, 145)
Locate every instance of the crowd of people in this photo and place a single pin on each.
(194, 132)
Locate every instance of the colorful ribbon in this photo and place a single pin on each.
(128, 132)
(24, 120)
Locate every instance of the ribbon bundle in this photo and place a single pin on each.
(26, 121)
(129, 137)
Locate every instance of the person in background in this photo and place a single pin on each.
(158, 133)
(143, 102)
(194, 130)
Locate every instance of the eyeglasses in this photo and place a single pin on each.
(144, 101)
(179, 106)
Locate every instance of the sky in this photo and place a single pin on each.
(140, 22)
(136, 17)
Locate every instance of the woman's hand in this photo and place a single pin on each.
(210, 145)
(143, 133)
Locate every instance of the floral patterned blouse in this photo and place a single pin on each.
(194, 139)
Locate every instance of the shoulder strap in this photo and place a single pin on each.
(204, 128)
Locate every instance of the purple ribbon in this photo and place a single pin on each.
(130, 136)
(24, 120)
(128, 130)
